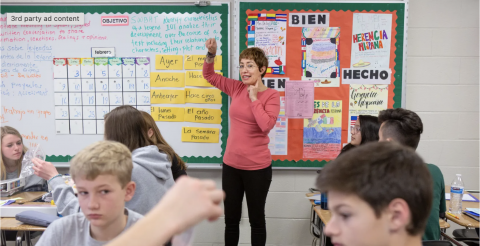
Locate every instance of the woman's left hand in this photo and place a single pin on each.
(253, 91)
(44, 169)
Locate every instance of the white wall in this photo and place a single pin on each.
(442, 87)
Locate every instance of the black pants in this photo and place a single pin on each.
(255, 185)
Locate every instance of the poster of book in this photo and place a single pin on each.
(320, 51)
(269, 33)
(279, 134)
(371, 38)
(366, 100)
(322, 133)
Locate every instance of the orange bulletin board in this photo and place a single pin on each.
(340, 15)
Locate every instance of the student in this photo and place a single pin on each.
(178, 165)
(404, 126)
(13, 151)
(175, 213)
(247, 163)
(365, 130)
(102, 173)
(151, 168)
(378, 194)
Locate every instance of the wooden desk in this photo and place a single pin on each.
(11, 224)
(464, 220)
(28, 196)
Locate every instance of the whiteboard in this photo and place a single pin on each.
(28, 103)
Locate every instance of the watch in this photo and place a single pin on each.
(210, 55)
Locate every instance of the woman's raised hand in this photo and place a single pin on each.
(211, 45)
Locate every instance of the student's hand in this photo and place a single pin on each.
(211, 45)
(253, 91)
(44, 169)
(189, 202)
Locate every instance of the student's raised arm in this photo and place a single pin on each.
(229, 86)
(175, 213)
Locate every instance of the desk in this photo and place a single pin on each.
(28, 196)
(320, 217)
(11, 224)
(464, 220)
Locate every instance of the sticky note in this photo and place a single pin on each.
(167, 113)
(203, 115)
(195, 78)
(195, 62)
(167, 79)
(212, 96)
(200, 135)
(167, 96)
(169, 62)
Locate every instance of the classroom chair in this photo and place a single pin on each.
(467, 236)
(436, 243)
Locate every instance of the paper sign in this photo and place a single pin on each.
(167, 113)
(366, 76)
(195, 78)
(322, 134)
(212, 96)
(115, 20)
(167, 79)
(309, 20)
(167, 96)
(278, 136)
(275, 83)
(299, 99)
(169, 62)
(203, 115)
(195, 62)
(200, 135)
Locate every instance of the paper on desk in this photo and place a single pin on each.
(475, 210)
(466, 197)
(314, 197)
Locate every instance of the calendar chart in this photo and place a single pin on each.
(86, 89)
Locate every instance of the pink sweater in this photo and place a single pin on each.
(247, 144)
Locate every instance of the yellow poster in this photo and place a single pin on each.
(167, 114)
(200, 135)
(195, 78)
(203, 115)
(169, 62)
(195, 62)
(167, 96)
(211, 96)
(167, 79)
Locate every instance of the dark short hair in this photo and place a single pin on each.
(379, 173)
(257, 55)
(402, 125)
(369, 127)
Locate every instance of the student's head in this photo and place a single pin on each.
(365, 130)
(377, 192)
(253, 65)
(102, 174)
(126, 125)
(12, 149)
(157, 139)
(400, 125)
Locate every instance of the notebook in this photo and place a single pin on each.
(465, 198)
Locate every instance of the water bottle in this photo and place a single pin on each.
(456, 195)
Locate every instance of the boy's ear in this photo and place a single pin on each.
(130, 190)
(399, 215)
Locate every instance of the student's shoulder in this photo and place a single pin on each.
(76, 220)
(132, 216)
(435, 172)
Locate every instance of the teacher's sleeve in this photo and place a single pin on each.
(266, 115)
(229, 86)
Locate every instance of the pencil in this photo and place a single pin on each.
(453, 215)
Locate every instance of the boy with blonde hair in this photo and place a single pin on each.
(102, 174)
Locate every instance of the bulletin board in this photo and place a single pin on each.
(154, 39)
(337, 36)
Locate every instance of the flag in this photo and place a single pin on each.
(353, 119)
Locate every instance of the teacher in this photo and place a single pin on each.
(247, 163)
